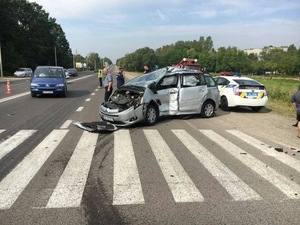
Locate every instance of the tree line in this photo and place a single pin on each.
(271, 60)
(30, 37)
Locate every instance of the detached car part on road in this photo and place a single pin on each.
(48, 80)
(241, 91)
(167, 91)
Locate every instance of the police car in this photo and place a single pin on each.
(241, 91)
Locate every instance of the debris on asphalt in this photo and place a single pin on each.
(243, 153)
(279, 149)
(97, 126)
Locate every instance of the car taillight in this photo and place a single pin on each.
(236, 91)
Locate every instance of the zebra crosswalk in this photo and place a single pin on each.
(127, 188)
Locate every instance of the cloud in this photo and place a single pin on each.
(116, 27)
(160, 15)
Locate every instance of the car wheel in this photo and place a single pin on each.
(224, 104)
(151, 115)
(65, 93)
(208, 109)
(33, 95)
(256, 108)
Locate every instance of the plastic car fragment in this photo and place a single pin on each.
(97, 126)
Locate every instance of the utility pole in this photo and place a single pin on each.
(55, 58)
(1, 68)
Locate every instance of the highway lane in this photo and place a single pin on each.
(183, 170)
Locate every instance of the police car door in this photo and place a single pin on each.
(167, 93)
(192, 92)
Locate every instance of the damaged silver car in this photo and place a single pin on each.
(167, 91)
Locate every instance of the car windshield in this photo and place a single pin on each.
(247, 82)
(48, 72)
(146, 79)
(22, 69)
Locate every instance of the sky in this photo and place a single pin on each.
(114, 28)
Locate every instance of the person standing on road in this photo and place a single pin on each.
(100, 74)
(296, 105)
(120, 77)
(107, 83)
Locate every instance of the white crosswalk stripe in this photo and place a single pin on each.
(127, 188)
(127, 184)
(69, 190)
(180, 184)
(1, 131)
(286, 159)
(11, 143)
(17, 180)
(289, 188)
(234, 185)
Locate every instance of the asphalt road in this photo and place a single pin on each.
(183, 170)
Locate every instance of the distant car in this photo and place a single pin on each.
(23, 72)
(166, 91)
(241, 91)
(48, 80)
(72, 72)
(66, 73)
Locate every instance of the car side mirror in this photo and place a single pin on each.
(153, 88)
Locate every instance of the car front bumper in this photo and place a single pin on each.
(124, 118)
(48, 91)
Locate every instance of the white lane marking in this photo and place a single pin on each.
(2, 130)
(288, 187)
(14, 96)
(69, 189)
(127, 184)
(66, 124)
(17, 180)
(79, 109)
(96, 89)
(11, 143)
(180, 184)
(286, 159)
(88, 99)
(236, 187)
(93, 94)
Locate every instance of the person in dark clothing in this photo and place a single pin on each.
(120, 77)
(147, 68)
(296, 105)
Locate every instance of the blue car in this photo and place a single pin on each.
(48, 80)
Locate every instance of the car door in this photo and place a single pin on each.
(167, 93)
(192, 92)
(222, 84)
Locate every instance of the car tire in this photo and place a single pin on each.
(33, 95)
(65, 93)
(208, 109)
(256, 108)
(224, 104)
(151, 115)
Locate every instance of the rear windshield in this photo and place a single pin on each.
(247, 82)
(49, 72)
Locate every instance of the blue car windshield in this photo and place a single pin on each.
(146, 79)
(48, 72)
